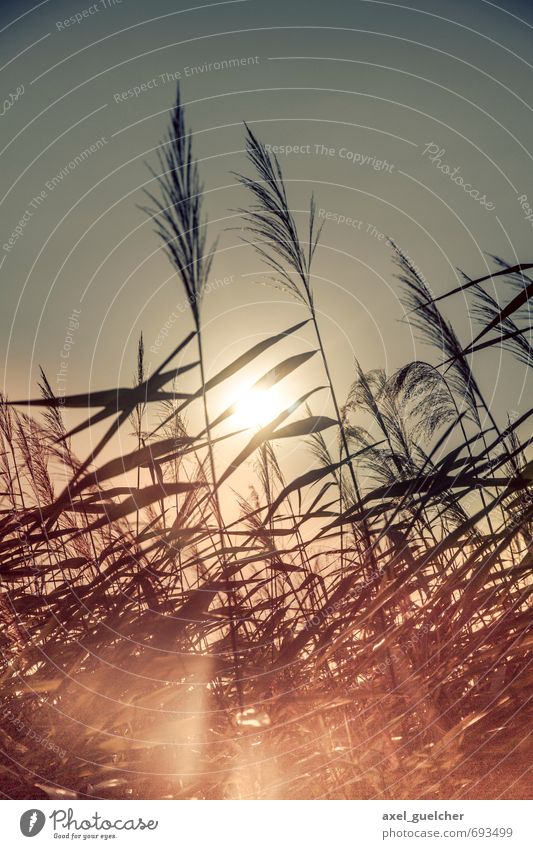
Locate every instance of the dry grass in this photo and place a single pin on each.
(338, 640)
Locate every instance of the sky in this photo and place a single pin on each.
(366, 101)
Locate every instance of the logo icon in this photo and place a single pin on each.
(32, 822)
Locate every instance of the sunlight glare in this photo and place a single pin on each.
(257, 407)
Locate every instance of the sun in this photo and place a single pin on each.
(257, 407)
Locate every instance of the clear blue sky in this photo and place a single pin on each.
(348, 84)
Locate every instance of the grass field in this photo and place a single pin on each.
(361, 630)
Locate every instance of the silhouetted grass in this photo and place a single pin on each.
(336, 640)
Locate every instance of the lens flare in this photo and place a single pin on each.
(257, 407)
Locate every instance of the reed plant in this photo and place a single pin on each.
(337, 639)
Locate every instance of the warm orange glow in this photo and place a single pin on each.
(257, 407)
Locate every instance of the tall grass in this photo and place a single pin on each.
(336, 640)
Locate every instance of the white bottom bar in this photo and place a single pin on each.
(264, 825)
